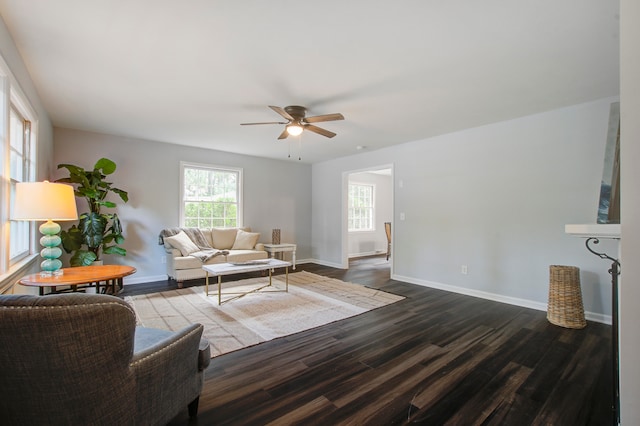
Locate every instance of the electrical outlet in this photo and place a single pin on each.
(163, 259)
(464, 270)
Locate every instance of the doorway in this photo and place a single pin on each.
(368, 201)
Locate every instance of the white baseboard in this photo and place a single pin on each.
(324, 263)
(147, 279)
(368, 253)
(525, 303)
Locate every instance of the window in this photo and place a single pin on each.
(361, 207)
(211, 196)
(18, 137)
(18, 125)
(20, 170)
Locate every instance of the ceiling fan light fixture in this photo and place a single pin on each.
(294, 129)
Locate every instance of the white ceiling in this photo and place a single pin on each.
(189, 72)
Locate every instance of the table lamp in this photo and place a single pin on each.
(46, 201)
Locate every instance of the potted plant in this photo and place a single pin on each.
(97, 232)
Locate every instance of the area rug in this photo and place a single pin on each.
(312, 301)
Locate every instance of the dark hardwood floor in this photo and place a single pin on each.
(434, 358)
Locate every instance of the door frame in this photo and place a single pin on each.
(345, 206)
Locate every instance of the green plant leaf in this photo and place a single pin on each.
(123, 194)
(93, 226)
(82, 258)
(71, 239)
(73, 170)
(115, 250)
(107, 166)
(116, 226)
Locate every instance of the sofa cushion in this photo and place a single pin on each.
(245, 240)
(223, 238)
(190, 262)
(182, 242)
(246, 255)
(207, 235)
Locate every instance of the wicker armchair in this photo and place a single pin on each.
(80, 359)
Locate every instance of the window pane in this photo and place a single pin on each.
(20, 165)
(211, 197)
(19, 240)
(16, 166)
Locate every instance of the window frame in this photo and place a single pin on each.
(27, 161)
(350, 209)
(12, 97)
(213, 168)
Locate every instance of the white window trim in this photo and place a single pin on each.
(240, 171)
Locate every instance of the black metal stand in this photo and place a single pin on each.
(614, 271)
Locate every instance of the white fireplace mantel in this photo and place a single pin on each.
(597, 230)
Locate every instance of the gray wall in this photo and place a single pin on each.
(494, 198)
(276, 193)
(371, 242)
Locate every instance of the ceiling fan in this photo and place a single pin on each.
(297, 122)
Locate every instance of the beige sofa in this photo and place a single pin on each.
(190, 248)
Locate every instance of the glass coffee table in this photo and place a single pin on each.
(221, 269)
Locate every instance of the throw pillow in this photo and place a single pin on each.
(245, 240)
(182, 242)
(223, 238)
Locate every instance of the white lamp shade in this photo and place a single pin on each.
(44, 201)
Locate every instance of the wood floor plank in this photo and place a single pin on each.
(495, 398)
(433, 358)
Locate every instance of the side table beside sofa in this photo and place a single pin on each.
(272, 249)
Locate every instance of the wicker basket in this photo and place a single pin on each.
(565, 297)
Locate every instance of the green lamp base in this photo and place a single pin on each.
(51, 265)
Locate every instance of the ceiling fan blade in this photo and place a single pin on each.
(282, 112)
(318, 130)
(284, 134)
(325, 117)
(267, 122)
